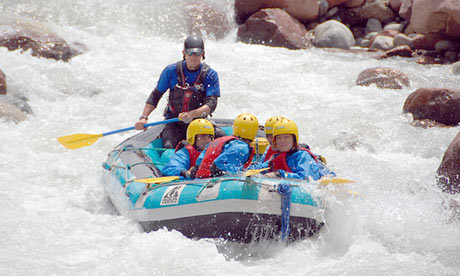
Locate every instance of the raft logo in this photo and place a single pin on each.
(172, 195)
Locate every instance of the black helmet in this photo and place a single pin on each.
(194, 43)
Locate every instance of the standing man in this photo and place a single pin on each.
(193, 92)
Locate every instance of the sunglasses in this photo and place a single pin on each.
(194, 51)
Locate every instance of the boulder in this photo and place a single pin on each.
(323, 7)
(372, 9)
(331, 13)
(426, 41)
(9, 111)
(405, 11)
(401, 51)
(402, 39)
(429, 57)
(437, 104)
(334, 34)
(390, 33)
(245, 8)
(303, 10)
(333, 3)
(382, 42)
(437, 16)
(41, 41)
(443, 46)
(395, 27)
(2, 83)
(19, 102)
(205, 20)
(409, 30)
(449, 170)
(402, 7)
(395, 4)
(451, 56)
(354, 3)
(456, 68)
(383, 77)
(373, 25)
(274, 27)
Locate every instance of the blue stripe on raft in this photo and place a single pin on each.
(231, 189)
(301, 197)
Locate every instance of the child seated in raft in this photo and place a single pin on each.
(268, 128)
(200, 133)
(292, 161)
(229, 154)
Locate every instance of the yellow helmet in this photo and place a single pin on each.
(286, 126)
(199, 126)
(246, 126)
(260, 144)
(270, 122)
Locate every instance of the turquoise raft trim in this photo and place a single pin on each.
(232, 187)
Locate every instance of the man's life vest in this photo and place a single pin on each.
(213, 151)
(193, 153)
(279, 161)
(185, 97)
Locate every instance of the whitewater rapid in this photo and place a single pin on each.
(56, 220)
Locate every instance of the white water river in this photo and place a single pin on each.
(56, 220)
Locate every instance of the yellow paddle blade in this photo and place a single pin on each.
(335, 180)
(76, 141)
(355, 194)
(252, 172)
(157, 180)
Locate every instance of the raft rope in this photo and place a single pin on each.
(284, 189)
(128, 167)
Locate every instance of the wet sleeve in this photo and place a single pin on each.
(302, 165)
(259, 165)
(154, 97)
(233, 157)
(325, 171)
(179, 161)
(211, 84)
(211, 101)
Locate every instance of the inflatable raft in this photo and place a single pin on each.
(232, 207)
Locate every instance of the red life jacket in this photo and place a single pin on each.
(279, 161)
(269, 154)
(213, 151)
(193, 153)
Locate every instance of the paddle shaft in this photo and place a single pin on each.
(146, 125)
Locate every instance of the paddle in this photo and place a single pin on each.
(76, 141)
(338, 181)
(157, 180)
(355, 194)
(334, 180)
(252, 172)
